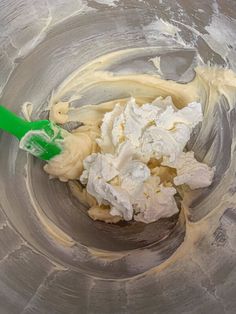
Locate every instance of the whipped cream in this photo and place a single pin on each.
(155, 201)
(119, 176)
(155, 130)
(191, 172)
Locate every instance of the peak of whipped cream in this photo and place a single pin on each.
(120, 175)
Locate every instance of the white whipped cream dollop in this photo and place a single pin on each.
(119, 176)
(191, 172)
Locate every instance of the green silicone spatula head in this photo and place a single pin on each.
(40, 138)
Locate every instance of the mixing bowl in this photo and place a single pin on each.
(53, 257)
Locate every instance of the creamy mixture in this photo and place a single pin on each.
(129, 155)
(134, 162)
(141, 157)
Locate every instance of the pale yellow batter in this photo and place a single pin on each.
(208, 86)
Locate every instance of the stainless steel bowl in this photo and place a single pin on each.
(53, 257)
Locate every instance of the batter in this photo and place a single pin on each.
(88, 144)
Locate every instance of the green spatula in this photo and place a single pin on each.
(40, 138)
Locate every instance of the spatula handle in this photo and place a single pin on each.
(11, 123)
